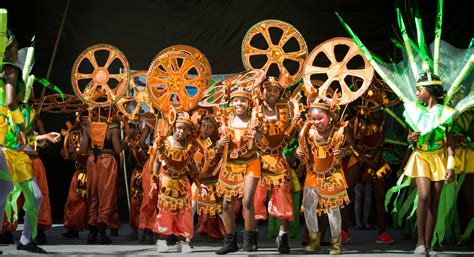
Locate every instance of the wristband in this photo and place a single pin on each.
(17, 117)
(451, 163)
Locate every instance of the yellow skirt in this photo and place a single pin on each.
(430, 165)
(464, 160)
(19, 163)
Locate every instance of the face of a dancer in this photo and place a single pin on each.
(181, 131)
(240, 105)
(271, 94)
(11, 53)
(207, 129)
(422, 94)
(320, 118)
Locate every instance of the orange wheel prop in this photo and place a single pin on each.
(135, 98)
(337, 72)
(104, 87)
(176, 79)
(275, 53)
(55, 104)
(194, 52)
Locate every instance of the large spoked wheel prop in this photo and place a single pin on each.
(176, 79)
(285, 49)
(218, 94)
(136, 97)
(55, 104)
(336, 62)
(100, 75)
(378, 95)
(194, 52)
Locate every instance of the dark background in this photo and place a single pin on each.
(141, 28)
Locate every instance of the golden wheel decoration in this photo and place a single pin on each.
(98, 91)
(337, 71)
(194, 52)
(130, 104)
(176, 79)
(218, 94)
(55, 104)
(275, 53)
(377, 95)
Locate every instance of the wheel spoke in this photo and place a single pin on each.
(90, 56)
(118, 77)
(287, 34)
(346, 92)
(80, 76)
(310, 70)
(265, 33)
(256, 51)
(298, 56)
(357, 73)
(328, 49)
(353, 50)
(112, 56)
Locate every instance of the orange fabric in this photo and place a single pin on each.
(101, 188)
(11, 227)
(212, 227)
(75, 209)
(114, 220)
(44, 216)
(135, 204)
(148, 209)
(179, 224)
(280, 204)
(231, 178)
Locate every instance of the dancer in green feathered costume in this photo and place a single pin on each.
(429, 113)
(20, 171)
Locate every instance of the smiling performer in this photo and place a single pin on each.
(279, 118)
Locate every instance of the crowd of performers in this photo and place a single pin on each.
(248, 158)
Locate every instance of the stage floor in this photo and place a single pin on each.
(362, 244)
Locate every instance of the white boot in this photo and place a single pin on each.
(161, 246)
(184, 247)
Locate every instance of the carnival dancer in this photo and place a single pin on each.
(75, 209)
(148, 207)
(320, 147)
(367, 160)
(139, 156)
(272, 137)
(173, 163)
(103, 137)
(209, 206)
(240, 174)
(429, 114)
(19, 165)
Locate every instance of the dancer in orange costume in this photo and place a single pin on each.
(272, 136)
(209, 206)
(240, 174)
(173, 163)
(320, 142)
(139, 156)
(102, 167)
(75, 209)
(148, 208)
